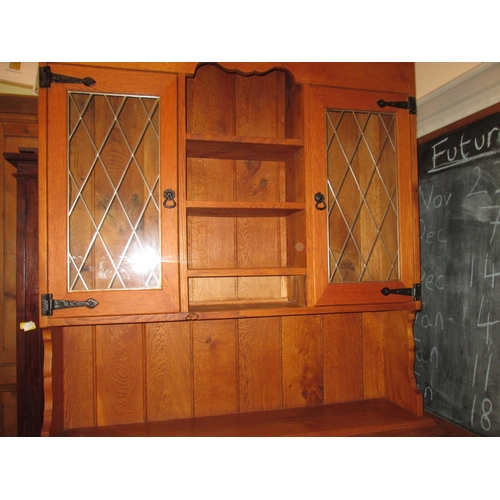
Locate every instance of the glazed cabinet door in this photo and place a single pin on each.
(108, 194)
(364, 221)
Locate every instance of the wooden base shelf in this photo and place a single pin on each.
(365, 418)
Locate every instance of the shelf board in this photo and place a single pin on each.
(239, 272)
(240, 309)
(362, 418)
(241, 147)
(243, 208)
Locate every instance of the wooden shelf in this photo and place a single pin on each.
(238, 272)
(242, 309)
(241, 147)
(243, 208)
(364, 418)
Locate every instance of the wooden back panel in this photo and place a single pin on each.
(162, 371)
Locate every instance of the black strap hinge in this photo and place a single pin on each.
(47, 78)
(49, 304)
(410, 104)
(415, 291)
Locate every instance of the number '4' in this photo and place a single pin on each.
(492, 274)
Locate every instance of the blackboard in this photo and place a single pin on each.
(457, 332)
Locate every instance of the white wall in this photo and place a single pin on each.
(448, 92)
(429, 76)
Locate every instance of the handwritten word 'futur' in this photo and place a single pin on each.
(446, 155)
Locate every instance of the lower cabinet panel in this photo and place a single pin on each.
(136, 373)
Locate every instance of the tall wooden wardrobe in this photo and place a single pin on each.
(228, 248)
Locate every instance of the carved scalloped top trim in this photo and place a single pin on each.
(247, 69)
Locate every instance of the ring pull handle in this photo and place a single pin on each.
(319, 198)
(169, 195)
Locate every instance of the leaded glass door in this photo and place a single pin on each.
(112, 153)
(364, 229)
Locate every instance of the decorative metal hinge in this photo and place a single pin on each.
(415, 291)
(47, 78)
(49, 304)
(410, 104)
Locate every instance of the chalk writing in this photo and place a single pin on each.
(431, 200)
(429, 236)
(487, 408)
(485, 324)
(466, 149)
(490, 275)
(475, 370)
(434, 355)
(474, 190)
(457, 354)
(427, 322)
(495, 222)
(432, 282)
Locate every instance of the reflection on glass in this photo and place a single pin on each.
(362, 196)
(113, 192)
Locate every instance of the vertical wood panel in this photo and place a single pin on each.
(205, 237)
(8, 219)
(343, 357)
(259, 288)
(215, 370)
(259, 366)
(258, 243)
(259, 105)
(373, 357)
(168, 371)
(210, 97)
(205, 251)
(18, 128)
(210, 179)
(212, 289)
(8, 413)
(302, 361)
(257, 181)
(119, 369)
(78, 377)
(389, 358)
(399, 348)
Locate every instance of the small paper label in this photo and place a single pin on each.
(29, 325)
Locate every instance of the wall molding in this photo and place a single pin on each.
(475, 90)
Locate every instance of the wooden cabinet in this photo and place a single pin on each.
(29, 348)
(238, 310)
(245, 207)
(364, 226)
(20, 406)
(112, 154)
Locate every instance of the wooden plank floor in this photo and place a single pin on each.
(366, 418)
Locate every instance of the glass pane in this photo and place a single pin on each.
(113, 192)
(361, 196)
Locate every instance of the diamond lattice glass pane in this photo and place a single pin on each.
(113, 192)
(361, 196)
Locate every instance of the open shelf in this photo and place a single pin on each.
(253, 307)
(361, 418)
(243, 208)
(260, 271)
(241, 148)
(245, 205)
